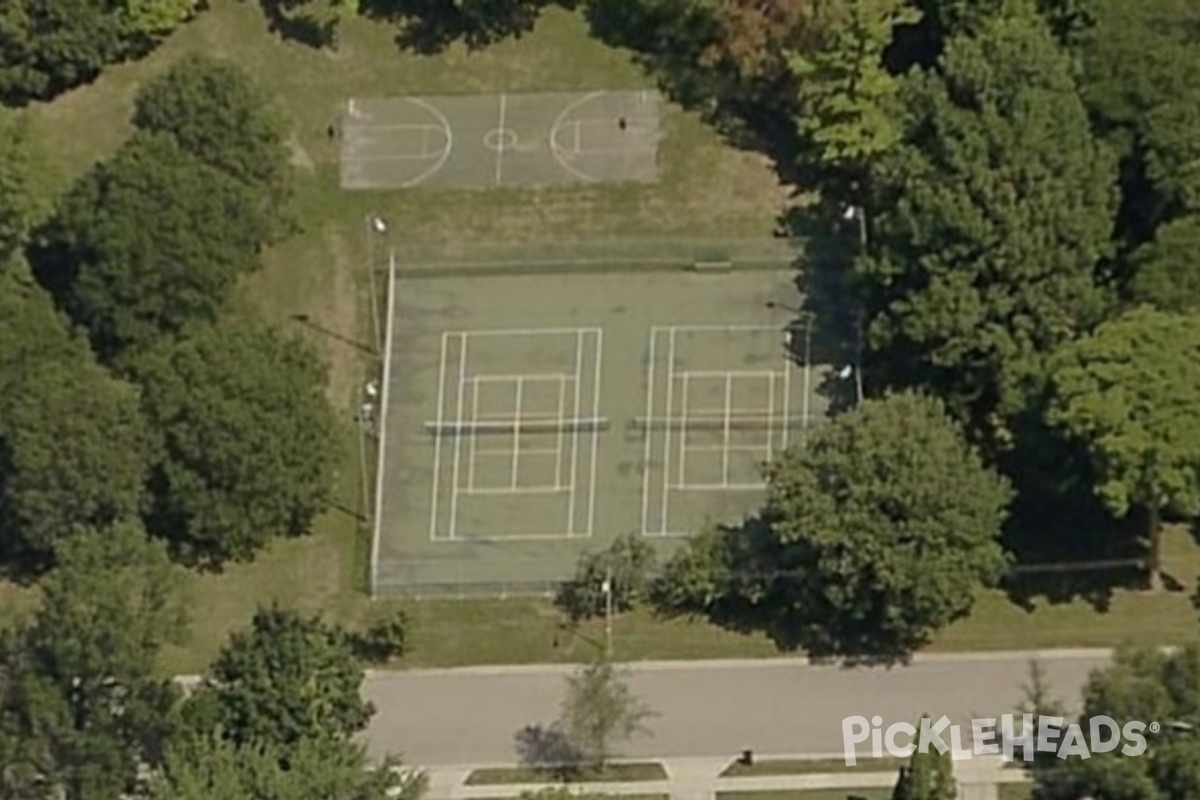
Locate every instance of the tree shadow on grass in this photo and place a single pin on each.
(548, 749)
(429, 27)
(302, 28)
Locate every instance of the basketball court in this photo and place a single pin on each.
(506, 140)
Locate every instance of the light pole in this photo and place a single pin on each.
(375, 227)
(859, 212)
(606, 588)
(366, 409)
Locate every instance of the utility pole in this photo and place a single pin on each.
(364, 409)
(606, 587)
(374, 227)
(861, 213)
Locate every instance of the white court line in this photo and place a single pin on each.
(760, 373)
(721, 487)
(651, 373)
(462, 379)
(572, 488)
(728, 419)
(385, 126)
(492, 490)
(500, 144)
(393, 157)
(666, 492)
(437, 442)
(723, 328)
(516, 453)
(529, 332)
(562, 407)
(595, 431)
(473, 451)
(507, 453)
(683, 431)
(508, 377)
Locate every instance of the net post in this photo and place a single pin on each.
(381, 444)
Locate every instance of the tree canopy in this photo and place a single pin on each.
(1140, 685)
(287, 679)
(878, 532)
(81, 708)
(49, 46)
(247, 442)
(992, 215)
(216, 113)
(1127, 393)
(60, 415)
(147, 242)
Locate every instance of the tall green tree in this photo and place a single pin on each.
(82, 709)
(877, 533)
(992, 215)
(215, 112)
(848, 99)
(247, 440)
(147, 242)
(210, 768)
(600, 711)
(1127, 394)
(286, 679)
(1166, 271)
(1141, 685)
(622, 570)
(74, 450)
(49, 46)
(1141, 82)
(20, 201)
(928, 776)
(60, 415)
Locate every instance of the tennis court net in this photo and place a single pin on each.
(516, 426)
(718, 422)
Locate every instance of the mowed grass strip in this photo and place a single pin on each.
(810, 766)
(866, 793)
(611, 773)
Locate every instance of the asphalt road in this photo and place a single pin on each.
(705, 709)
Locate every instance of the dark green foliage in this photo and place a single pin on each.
(20, 205)
(49, 46)
(147, 242)
(247, 440)
(216, 113)
(993, 214)
(73, 446)
(80, 707)
(878, 533)
(385, 638)
(1166, 271)
(429, 26)
(1128, 395)
(73, 451)
(928, 776)
(209, 768)
(1147, 686)
(287, 679)
(1141, 81)
(627, 564)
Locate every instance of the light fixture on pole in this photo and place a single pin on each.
(606, 589)
(375, 227)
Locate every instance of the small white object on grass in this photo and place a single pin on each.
(845, 372)
(372, 389)
(379, 225)
(849, 213)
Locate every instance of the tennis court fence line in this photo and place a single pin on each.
(596, 255)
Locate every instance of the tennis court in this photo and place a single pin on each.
(530, 417)
(505, 140)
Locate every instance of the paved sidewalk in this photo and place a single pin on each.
(699, 779)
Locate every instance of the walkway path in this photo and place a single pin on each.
(699, 779)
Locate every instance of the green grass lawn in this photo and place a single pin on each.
(613, 773)
(1014, 791)
(805, 766)
(868, 793)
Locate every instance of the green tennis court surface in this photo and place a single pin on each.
(531, 417)
(511, 140)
